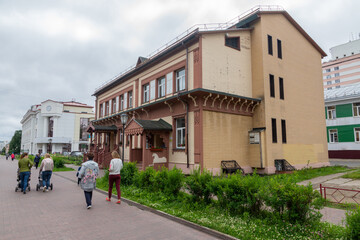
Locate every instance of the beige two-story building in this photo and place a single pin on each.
(248, 90)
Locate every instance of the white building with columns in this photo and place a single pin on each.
(56, 127)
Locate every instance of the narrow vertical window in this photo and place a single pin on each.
(180, 133)
(279, 49)
(333, 136)
(281, 88)
(152, 89)
(356, 109)
(283, 130)
(146, 92)
(274, 132)
(169, 83)
(272, 85)
(270, 47)
(161, 87)
(357, 135)
(130, 99)
(107, 108)
(331, 112)
(113, 109)
(180, 80)
(121, 102)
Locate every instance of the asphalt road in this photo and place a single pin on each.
(353, 163)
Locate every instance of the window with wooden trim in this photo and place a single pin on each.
(113, 108)
(357, 134)
(169, 83)
(233, 42)
(101, 112)
(161, 87)
(121, 102)
(130, 95)
(180, 133)
(283, 130)
(270, 46)
(152, 89)
(356, 109)
(281, 88)
(274, 131)
(107, 108)
(180, 80)
(146, 96)
(331, 112)
(333, 136)
(279, 49)
(272, 85)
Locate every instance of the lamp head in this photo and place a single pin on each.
(124, 118)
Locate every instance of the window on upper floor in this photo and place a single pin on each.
(161, 87)
(113, 109)
(279, 48)
(337, 86)
(180, 133)
(327, 70)
(274, 131)
(333, 136)
(270, 47)
(283, 130)
(146, 96)
(335, 68)
(272, 85)
(180, 80)
(281, 88)
(169, 83)
(328, 76)
(121, 102)
(357, 134)
(337, 81)
(356, 109)
(328, 83)
(331, 112)
(233, 42)
(337, 74)
(107, 108)
(130, 99)
(329, 88)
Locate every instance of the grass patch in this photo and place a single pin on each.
(309, 173)
(63, 169)
(342, 206)
(242, 226)
(353, 175)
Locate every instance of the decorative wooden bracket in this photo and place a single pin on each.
(194, 99)
(222, 101)
(239, 100)
(147, 113)
(135, 112)
(253, 108)
(206, 98)
(212, 105)
(247, 108)
(242, 104)
(169, 105)
(227, 106)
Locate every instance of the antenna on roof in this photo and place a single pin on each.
(73, 99)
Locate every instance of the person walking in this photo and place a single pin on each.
(114, 176)
(12, 157)
(37, 160)
(88, 173)
(25, 165)
(7, 156)
(46, 168)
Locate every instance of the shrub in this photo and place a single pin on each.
(353, 224)
(128, 173)
(199, 185)
(145, 179)
(161, 179)
(174, 182)
(58, 163)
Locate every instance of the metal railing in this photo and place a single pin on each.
(190, 31)
(340, 195)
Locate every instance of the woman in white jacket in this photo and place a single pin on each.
(114, 176)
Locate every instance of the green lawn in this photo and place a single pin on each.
(309, 173)
(63, 169)
(353, 175)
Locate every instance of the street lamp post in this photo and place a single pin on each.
(124, 118)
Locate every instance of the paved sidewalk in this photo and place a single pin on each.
(62, 214)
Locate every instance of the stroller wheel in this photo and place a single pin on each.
(29, 189)
(16, 189)
(51, 186)
(37, 187)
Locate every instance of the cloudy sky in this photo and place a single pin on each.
(65, 49)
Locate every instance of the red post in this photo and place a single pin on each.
(325, 193)
(321, 190)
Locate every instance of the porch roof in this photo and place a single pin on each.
(101, 128)
(138, 126)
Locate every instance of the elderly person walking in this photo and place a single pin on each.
(46, 168)
(88, 173)
(114, 176)
(25, 165)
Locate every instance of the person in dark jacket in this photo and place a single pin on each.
(36, 160)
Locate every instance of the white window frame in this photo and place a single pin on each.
(356, 109)
(180, 80)
(328, 83)
(122, 102)
(125, 100)
(169, 83)
(130, 99)
(146, 90)
(333, 136)
(117, 103)
(328, 77)
(331, 112)
(357, 134)
(181, 131)
(161, 87)
(113, 108)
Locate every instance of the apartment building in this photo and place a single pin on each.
(248, 90)
(344, 67)
(56, 127)
(342, 107)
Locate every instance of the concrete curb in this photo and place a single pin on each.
(198, 227)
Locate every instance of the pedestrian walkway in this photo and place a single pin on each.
(62, 214)
(332, 215)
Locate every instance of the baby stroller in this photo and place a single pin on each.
(40, 184)
(18, 186)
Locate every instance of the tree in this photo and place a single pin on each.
(15, 143)
(3, 151)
